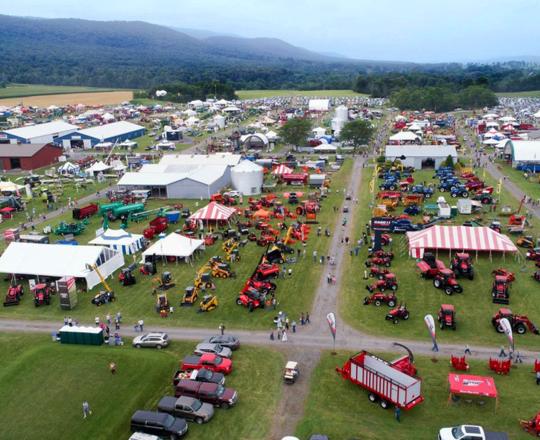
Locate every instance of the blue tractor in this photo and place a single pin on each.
(404, 225)
(427, 191)
(412, 210)
(389, 185)
(459, 191)
(448, 184)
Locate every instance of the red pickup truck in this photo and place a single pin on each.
(212, 393)
(209, 361)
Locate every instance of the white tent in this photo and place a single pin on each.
(404, 136)
(119, 240)
(58, 260)
(10, 186)
(68, 168)
(118, 165)
(174, 245)
(319, 132)
(271, 135)
(97, 167)
(537, 114)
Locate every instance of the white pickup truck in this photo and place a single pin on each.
(470, 432)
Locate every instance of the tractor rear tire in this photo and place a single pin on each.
(239, 302)
(448, 290)
(378, 302)
(437, 283)
(406, 316)
(465, 194)
(384, 404)
(391, 303)
(395, 321)
(373, 398)
(371, 275)
(521, 329)
(394, 287)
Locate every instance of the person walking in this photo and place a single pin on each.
(86, 409)
(96, 320)
(112, 367)
(519, 359)
(108, 318)
(284, 337)
(272, 335)
(141, 325)
(302, 319)
(65, 321)
(502, 353)
(116, 324)
(315, 256)
(293, 326)
(119, 317)
(274, 303)
(307, 318)
(222, 329)
(287, 324)
(538, 378)
(397, 414)
(467, 350)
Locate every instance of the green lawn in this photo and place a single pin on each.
(20, 90)
(50, 381)
(256, 94)
(341, 410)
(530, 186)
(295, 294)
(474, 306)
(527, 94)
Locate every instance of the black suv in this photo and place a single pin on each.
(158, 423)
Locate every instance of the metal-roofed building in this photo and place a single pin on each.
(37, 133)
(421, 156)
(28, 156)
(113, 132)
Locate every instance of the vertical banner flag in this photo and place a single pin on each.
(430, 324)
(507, 328)
(499, 186)
(331, 319)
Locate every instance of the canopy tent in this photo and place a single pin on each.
(282, 169)
(458, 238)
(325, 147)
(537, 114)
(97, 167)
(10, 186)
(213, 212)
(120, 240)
(404, 136)
(58, 260)
(174, 245)
(68, 168)
(467, 384)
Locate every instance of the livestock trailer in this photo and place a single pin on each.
(387, 383)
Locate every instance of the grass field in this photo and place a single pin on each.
(530, 186)
(528, 94)
(474, 306)
(341, 410)
(50, 381)
(295, 294)
(18, 90)
(257, 94)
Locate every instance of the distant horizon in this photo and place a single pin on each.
(452, 32)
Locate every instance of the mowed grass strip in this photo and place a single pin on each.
(21, 90)
(295, 293)
(341, 409)
(43, 385)
(474, 306)
(258, 94)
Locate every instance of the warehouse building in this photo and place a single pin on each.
(28, 156)
(183, 176)
(421, 156)
(111, 133)
(38, 133)
(523, 154)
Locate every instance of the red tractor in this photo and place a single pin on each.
(378, 272)
(400, 312)
(379, 298)
(519, 323)
(430, 270)
(447, 316)
(13, 295)
(265, 287)
(532, 426)
(251, 298)
(265, 271)
(388, 282)
(381, 254)
(42, 294)
(505, 273)
(462, 266)
(536, 275)
(378, 261)
(446, 280)
(500, 291)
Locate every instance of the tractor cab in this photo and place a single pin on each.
(447, 316)
(462, 266)
(190, 296)
(165, 281)
(400, 312)
(13, 295)
(291, 372)
(42, 294)
(500, 291)
(446, 280)
(126, 277)
(162, 302)
(148, 268)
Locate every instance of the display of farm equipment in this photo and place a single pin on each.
(388, 282)
(388, 383)
(85, 211)
(447, 316)
(13, 295)
(462, 266)
(459, 363)
(446, 281)
(164, 282)
(500, 290)
(42, 294)
(519, 323)
(377, 272)
(398, 313)
(208, 303)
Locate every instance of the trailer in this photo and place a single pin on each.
(388, 383)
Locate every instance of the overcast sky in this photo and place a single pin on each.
(412, 30)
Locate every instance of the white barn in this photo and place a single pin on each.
(421, 156)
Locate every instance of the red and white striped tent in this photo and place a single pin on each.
(458, 238)
(282, 169)
(213, 212)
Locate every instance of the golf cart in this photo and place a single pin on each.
(291, 372)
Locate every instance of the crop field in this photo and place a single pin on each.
(294, 294)
(341, 410)
(474, 306)
(18, 90)
(72, 98)
(51, 380)
(258, 94)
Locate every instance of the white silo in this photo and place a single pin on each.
(247, 177)
(219, 121)
(342, 113)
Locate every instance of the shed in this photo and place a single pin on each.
(28, 156)
(421, 156)
(316, 180)
(113, 132)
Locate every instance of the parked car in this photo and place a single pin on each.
(207, 360)
(187, 407)
(158, 423)
(202, 375)
(212, 393)
(214, 349)
(153, 340)
(229, 341)
(470, 432)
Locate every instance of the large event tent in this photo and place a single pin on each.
(458, 238)
(120, 240)
(58, 260)
(213, 212)
(174, 245)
